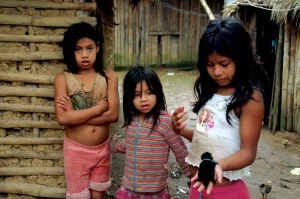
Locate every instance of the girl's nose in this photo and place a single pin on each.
(84, 53)
(217, 70)
(143, 97)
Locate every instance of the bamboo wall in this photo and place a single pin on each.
(285, 106)
(166, 33)
(31, 163)
(278, 46)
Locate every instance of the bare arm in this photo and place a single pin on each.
(250, 128)
(65, 114)
(178, 125)
(251, 118)
(112, 114)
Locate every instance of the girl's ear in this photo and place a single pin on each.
(97, 49)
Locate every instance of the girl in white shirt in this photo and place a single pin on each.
(229, 89)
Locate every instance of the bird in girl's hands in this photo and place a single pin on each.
(207, 169)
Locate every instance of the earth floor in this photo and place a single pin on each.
(278, 153)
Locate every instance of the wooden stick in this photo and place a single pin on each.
(29, 78)
(26, 108)
(43, 21)
(291, 81)
(24, 171)
(31, 38)
(48, 5)
(285, 74)
(30, 154)
(32, 189)
(31, 56)
(297, 64)
(278, 71)
(297, 88)
(26, 91)
(207, 9)
(29, 124)
(29, 141)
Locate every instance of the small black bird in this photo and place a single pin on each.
(207, 169)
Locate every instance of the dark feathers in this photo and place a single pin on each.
(207, 169)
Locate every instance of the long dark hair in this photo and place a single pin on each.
(228, 38)
(74, 33)
(132, 78)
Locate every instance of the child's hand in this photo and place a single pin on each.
(178, 118)
(64, 102)
(218, 177)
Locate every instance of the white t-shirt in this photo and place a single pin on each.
(216, 135)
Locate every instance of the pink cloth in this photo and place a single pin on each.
(124, 193)
(86, 167)
(236, 190)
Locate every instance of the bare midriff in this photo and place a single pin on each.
(88, 135)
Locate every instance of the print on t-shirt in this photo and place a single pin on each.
(205, 120)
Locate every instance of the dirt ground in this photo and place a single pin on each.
(278, 153)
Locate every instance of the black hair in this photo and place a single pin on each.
(134, 76)
(74, 33)
(229, 38)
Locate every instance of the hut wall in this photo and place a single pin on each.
(285, 113)
(285, 99)
(31, 164)
(166, 33)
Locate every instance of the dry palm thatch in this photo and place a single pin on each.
(282, 9)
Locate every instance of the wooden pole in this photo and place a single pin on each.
(141, 26)
(285, 75)
(48, 5)
(291, 81)
(31, 56)
(26, 108)
(43, 21)
(26, 91)
(31, 38)
(29, 124)
(297, 88)
(29, 78)
(26, 171)
(207, 9)
(278, 75)
(30, 154)
(32, 189)
(29, 141)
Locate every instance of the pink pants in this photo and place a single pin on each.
(236, 190)
(86, 167)
(124, 193)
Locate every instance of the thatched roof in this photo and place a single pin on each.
(281, 10)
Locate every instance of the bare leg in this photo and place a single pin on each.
(97, 194)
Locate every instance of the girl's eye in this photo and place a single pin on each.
(77, 50)
(224, 64)
(209, 64)
(90, 49)
(136, 94)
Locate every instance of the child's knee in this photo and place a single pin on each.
(100, 186)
